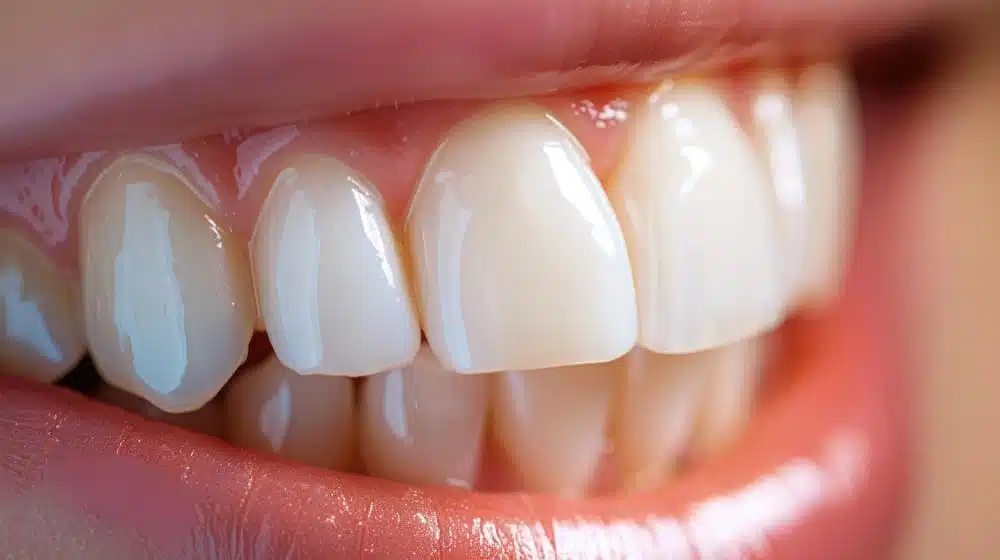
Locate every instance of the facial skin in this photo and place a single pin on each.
(948, 244)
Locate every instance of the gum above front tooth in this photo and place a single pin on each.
(552, 423)
(168, 305)
(519, 259)
(422, 424)
(306, 418)
(41, 334)
(329, 277)
(827, 118)
(698, 213)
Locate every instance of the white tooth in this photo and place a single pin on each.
(733, 377)
(657, 414)
(780, 141)
(168, 303)
(422, 424)
(306, 418)
(697, 209)
(519, 259)
(206, 420)
(828, 121)
(329, 277)
(553, 422)
(41, 332)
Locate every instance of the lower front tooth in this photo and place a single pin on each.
(169, 308)
(305, 418)
(422, 424)
(732, 379)
(206, 420)
(552, 424)
(41, 335)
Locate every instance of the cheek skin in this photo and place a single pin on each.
(950, 237)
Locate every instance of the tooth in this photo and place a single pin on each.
(657, 413)
(41, 335)
(776, 131)
(827, 117)
(732, 377)
(422, 424)
(168, 305)
(552, 423)
(329, 275)
(306, 418)
(697, 211)
(519, 260)
(206, 420)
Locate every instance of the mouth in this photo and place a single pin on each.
(632, 318)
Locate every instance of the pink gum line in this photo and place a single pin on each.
(233, 171)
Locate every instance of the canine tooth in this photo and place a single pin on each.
(827, 118)
(306, 418)
(698, 214)
(330, 281)
(168, 304)
(519, 259)
(41, 333)
(552, 423)
(422, 424)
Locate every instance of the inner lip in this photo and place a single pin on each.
(821, 460)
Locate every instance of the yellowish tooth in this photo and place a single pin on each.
(828, 121)
(422, 424)
(330, 281)
(168, 303)
(553, 422)
(776, 131)
(732, 377)
(206, 420)
(659, 402)
(306, 418)
(519, 259)
(41, 332)
(697, 209)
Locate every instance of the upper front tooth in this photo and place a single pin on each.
(169, 309)
(519, 259)
(827, 119)
(697, 209)
(330, 280)
(42, 335)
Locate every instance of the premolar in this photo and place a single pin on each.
(697, 209)
(552, 424)
(519, 259)
(168, 304)
(41, 330)
(305, 418)
(330, 281)
(422, 424)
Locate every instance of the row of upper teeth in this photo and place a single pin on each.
(513, 255)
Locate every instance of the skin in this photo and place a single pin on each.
(949, 267)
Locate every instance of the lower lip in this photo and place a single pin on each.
(821, 473)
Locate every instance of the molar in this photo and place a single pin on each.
(519, 259)
(168, 304)
(331, 285)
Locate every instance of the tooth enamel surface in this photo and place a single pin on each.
(422, 424)
(654, 427)
(168, 304)
(329, 277)
(206, 420)
(732, 377)
(827, 119)
(552, 423)
(519, 259)
(41, 332)
(698, 213)
(779, 139)
(305, 418)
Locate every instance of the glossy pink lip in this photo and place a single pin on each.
(821, 474)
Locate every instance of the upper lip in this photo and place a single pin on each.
(165, 71)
